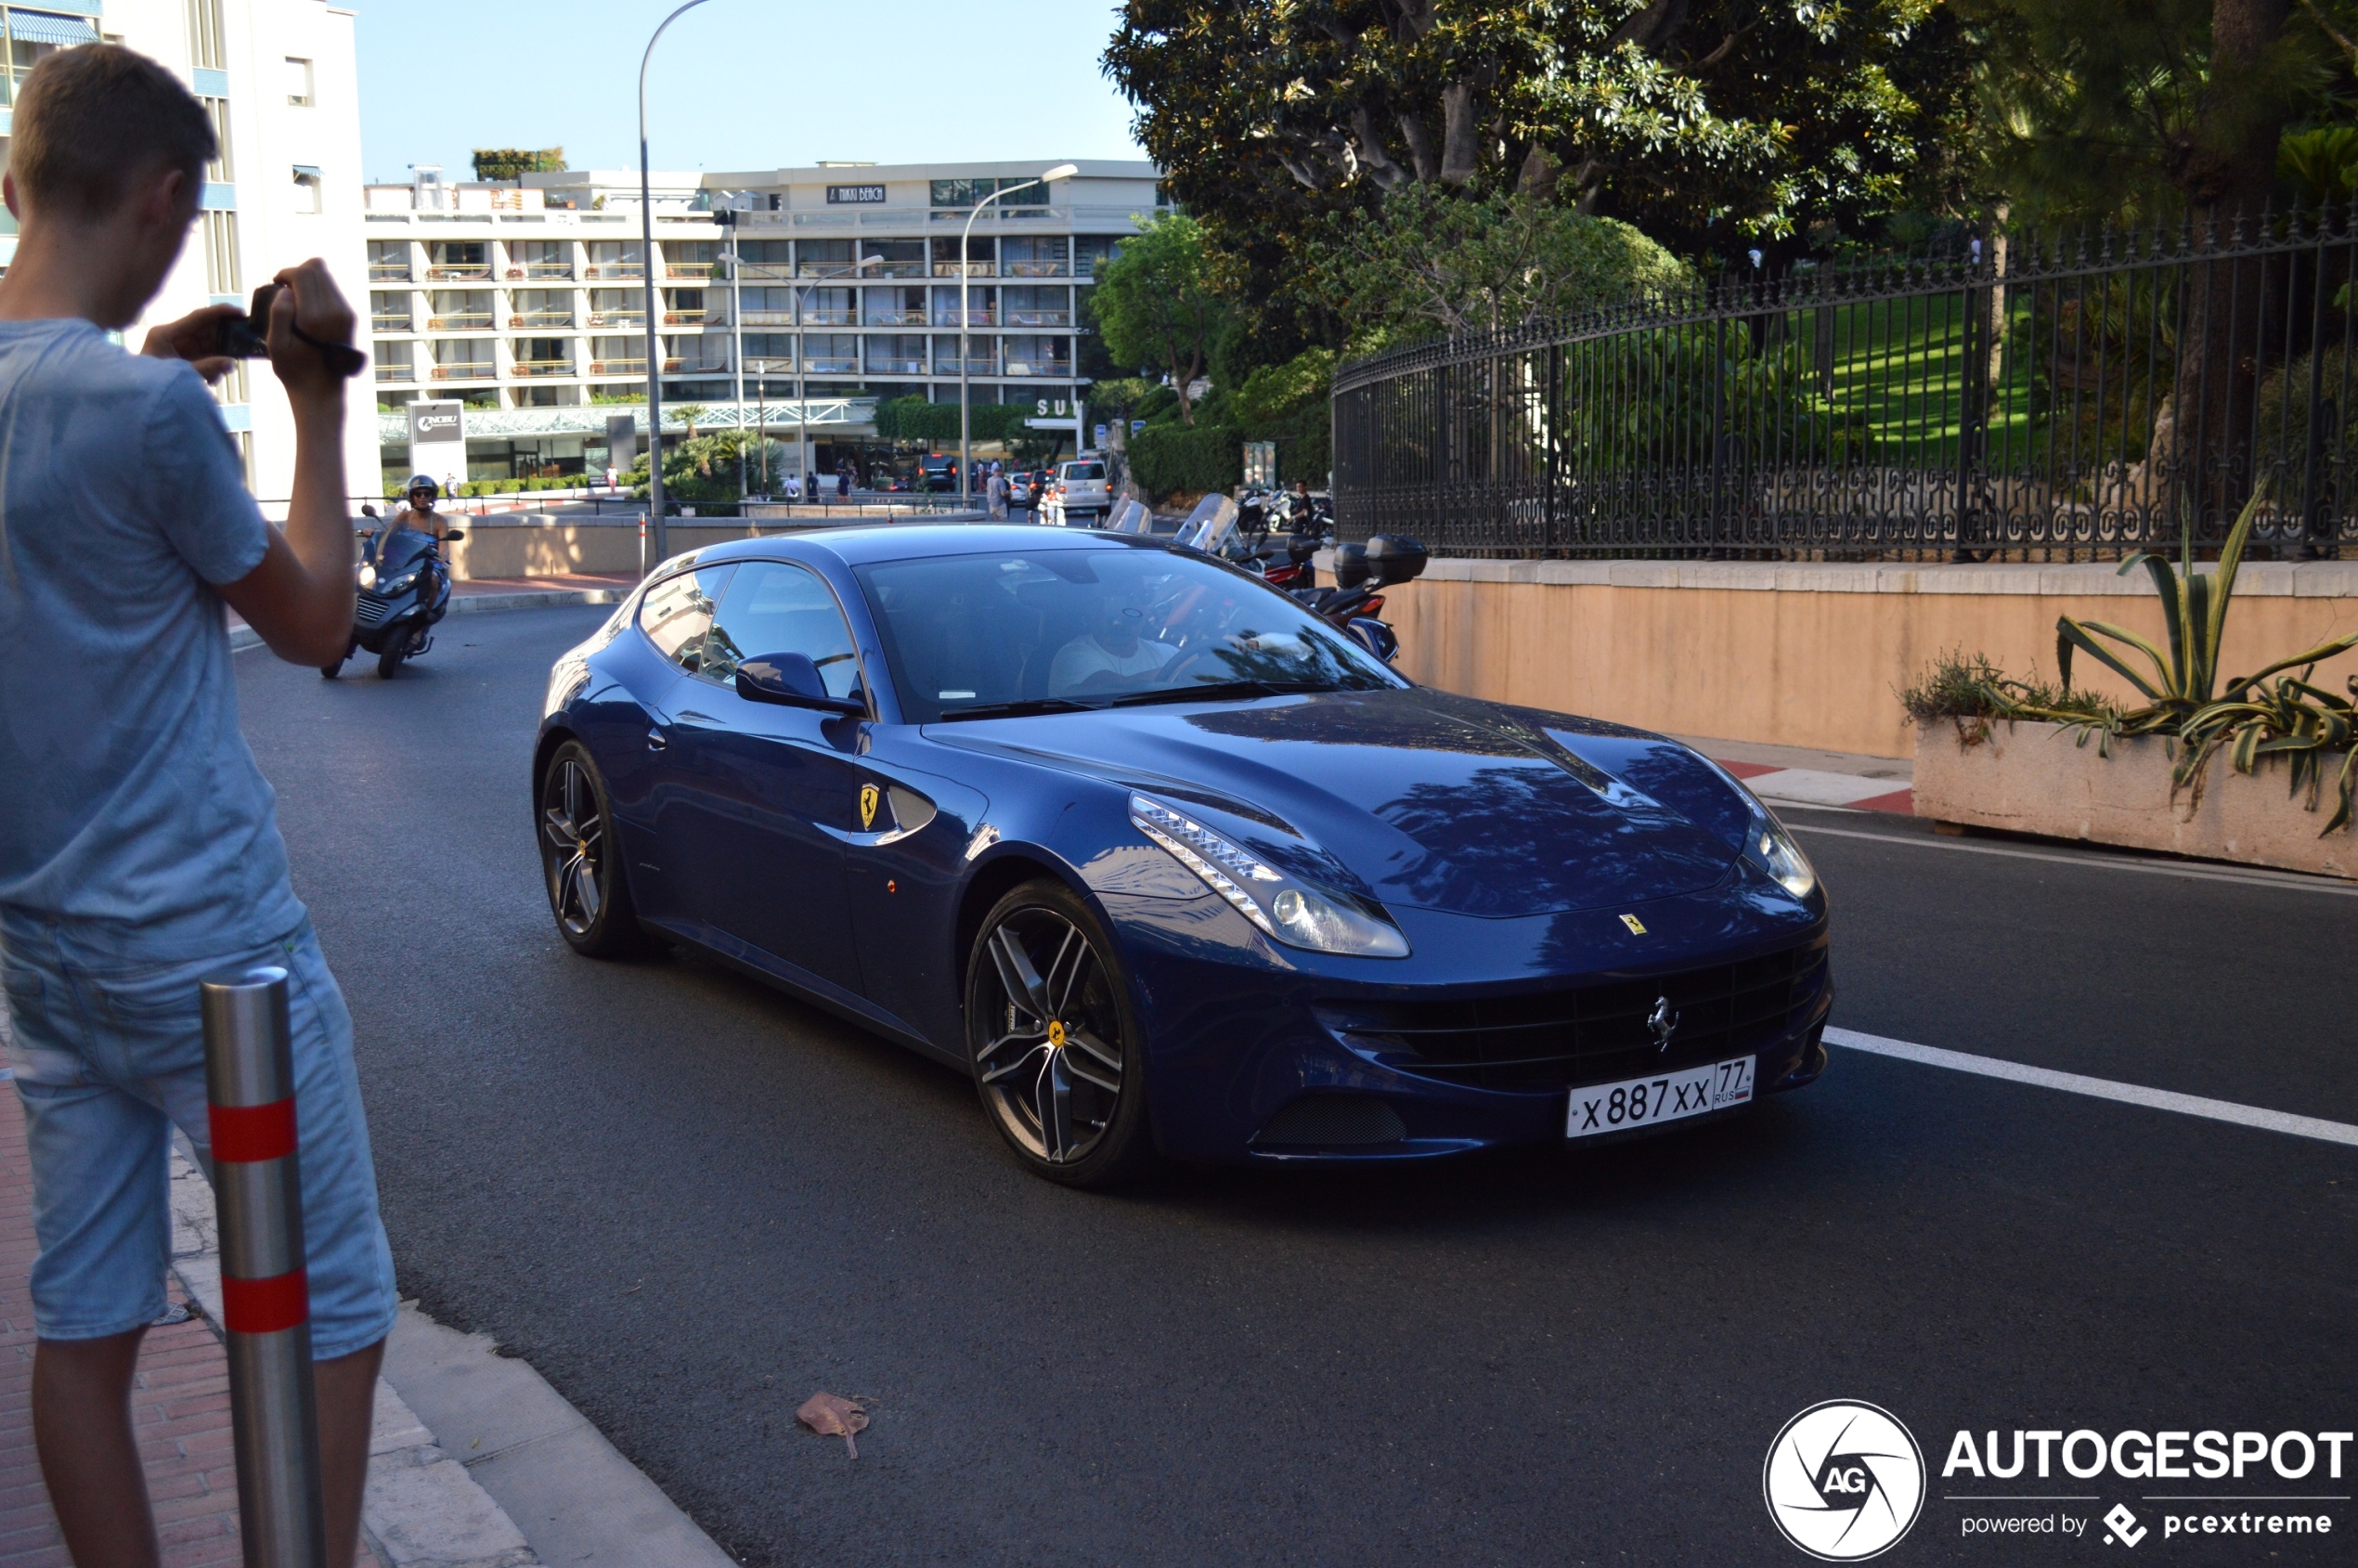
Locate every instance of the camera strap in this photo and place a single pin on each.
(342, 358)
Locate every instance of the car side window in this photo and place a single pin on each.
(772, 607)
(676, 614)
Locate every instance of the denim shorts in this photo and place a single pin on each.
(107, 1058)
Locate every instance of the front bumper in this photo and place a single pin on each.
(1262, 1053)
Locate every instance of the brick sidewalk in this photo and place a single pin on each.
(180, 1405)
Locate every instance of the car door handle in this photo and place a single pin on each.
(656, 740)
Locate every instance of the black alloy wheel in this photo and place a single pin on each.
(1056, 1056)
(580, 860)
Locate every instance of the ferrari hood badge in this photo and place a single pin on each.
(1637, 927)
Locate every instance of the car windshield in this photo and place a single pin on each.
(1058, 630)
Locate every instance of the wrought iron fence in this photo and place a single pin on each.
(2015, 398)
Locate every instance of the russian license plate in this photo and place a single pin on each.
(1598, 1108)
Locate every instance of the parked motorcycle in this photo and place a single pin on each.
(1362, 573)
(403, 590)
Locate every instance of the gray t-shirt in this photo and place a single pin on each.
(130, 811)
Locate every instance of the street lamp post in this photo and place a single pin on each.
(965, 273)
(728, 218)
(802, 367)
(647, 270)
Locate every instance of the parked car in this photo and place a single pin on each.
(1023, 488)
(1163, 862)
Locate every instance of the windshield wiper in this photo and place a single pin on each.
(1018, 708)
(1220, 691)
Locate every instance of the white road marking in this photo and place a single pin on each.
(2101, 1088)
(2291, 881)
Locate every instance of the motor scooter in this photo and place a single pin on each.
(403, 590)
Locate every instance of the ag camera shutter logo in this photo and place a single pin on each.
(1844, 1481)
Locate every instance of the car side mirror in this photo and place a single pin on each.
(454, 533)
(791, 681)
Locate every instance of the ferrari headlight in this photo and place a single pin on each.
(1771, 848)
(1282, 907)
(368, 575)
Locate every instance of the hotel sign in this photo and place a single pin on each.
(840, 195)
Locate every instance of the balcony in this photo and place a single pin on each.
(541, 318)
(394, 372)
(831, 318)
(474, 370)
(1040, 318)
(764, 272)
(475, 274)
(618, 318)
(465, 321)
(878, 365)
(388, 272)
(948, 367)
(1038, 269)
(617, 367)
(769, 318)
(833, 364)
(974, 269)
(390, 323)
(686, 318)
(688, 269)
(614, 270)
(974, 318)
(895, 318)
(1039, 367)
(545, 367)
(540, 269)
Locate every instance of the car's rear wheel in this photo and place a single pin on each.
(1057, 1055)
(581, 860)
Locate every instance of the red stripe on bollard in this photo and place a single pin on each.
(244, 1134)
(266, 1306)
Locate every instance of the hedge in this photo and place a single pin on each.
(914, 418)
(1169, 459)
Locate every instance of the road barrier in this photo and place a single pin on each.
(264, 1294)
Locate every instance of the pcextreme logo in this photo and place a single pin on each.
(1844, 1481)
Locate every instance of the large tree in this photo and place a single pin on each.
(1155, 305)
(1710, 124)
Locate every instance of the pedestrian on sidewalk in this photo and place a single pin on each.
(140, 848)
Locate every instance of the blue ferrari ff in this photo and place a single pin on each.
(1163, 861)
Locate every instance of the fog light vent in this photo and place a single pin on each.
(1322, 1121)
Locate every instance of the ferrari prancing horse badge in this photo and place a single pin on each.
(867, 807)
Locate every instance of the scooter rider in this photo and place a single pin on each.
(419, 514)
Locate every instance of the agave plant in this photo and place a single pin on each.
(2305, 724)
(2194, 607)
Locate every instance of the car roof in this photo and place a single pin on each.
(862, 546)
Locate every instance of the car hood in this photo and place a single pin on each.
(1414, 797)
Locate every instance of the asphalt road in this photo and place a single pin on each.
(692, 1201)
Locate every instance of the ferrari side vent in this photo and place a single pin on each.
(1332, 1120)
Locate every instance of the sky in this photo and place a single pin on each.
(736, 83)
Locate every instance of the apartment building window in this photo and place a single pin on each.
(534, 259)
(896, 306)
(541, 308)
(830, 307)
(982, 302)
(690, 258)
(464, 359)
(616, 258)
(206, 50)
(893, 354)
(389, 311)
(817, 258)
(461, 310)
(1032, 305)
(766, 307)
(690, 355)
(299, 84)
(309, 188)
(835, 354)
(458, 260)
(1091, 251)
(981, 253)
(1039, 357)
(983, 356)
(770, 353)
(543, 357)
(1036, 255)
(896, 258)
(618, 356)
(388, 260)
(222, 273)
(217, 113)
(685, 307)
(617, 307)
(760, 259)
(393, 362)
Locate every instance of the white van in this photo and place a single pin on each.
(1084, 498)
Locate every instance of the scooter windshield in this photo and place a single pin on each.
(400, 550)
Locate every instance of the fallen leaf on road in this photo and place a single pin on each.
(831, 1414)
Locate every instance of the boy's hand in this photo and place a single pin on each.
(312, 300)
(196, 337)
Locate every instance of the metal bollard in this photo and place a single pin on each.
(266, 1296)
(643, 544)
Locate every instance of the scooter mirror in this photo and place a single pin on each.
(455, 534)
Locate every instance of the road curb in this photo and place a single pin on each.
(475, 1461)
(242, 636)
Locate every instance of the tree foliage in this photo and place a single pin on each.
(1154, 303)
(1427, 261)
(508, 163)
(1707, 123)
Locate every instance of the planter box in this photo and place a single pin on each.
(2036, 778)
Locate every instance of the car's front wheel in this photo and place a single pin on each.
(581, 860)
(1056, 1056)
